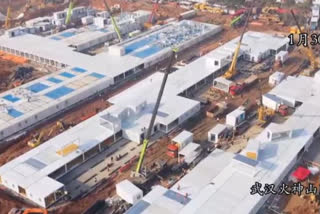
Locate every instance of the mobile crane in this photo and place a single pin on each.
(231, 72)
(116, 28)
(309, 52)
(154, 113)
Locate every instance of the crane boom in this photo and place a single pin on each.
(68, 19)
(154, 11)
(308, 49)
(8, 23)
(116, 28)
(232, 69)
(154, 113)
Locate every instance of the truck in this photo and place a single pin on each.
(239, 87)
(217, 110)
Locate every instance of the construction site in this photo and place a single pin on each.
(153, 106)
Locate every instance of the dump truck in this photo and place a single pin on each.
(239, 87)
(217, 110)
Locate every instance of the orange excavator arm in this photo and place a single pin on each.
(35, 211)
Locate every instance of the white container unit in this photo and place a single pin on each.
(216, 132)
(236, 117)
(128, 192)
(183, 139)
(276, 78)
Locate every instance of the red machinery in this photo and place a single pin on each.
(172, 150)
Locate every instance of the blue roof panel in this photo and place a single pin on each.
(14, 113)
(147, 52)
(177, 197)
(77, 69)
(138, 207)
(67, 34)
(37, 87)
(59, 92)
(55, 38)
(67, 74)
(11, 98)
(97, 75)
(54, 80)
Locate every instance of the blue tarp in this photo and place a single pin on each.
(37, 87)
(66, 74)
(96, 75)
(54, 80)
(136, 45)
(59, 92)
(139, 207)
(11, 98)
(177, 197)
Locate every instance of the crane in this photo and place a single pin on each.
(8, 18)
(155, 111)
(232, 69)
(313, 62)
(115, 26)
(69, 13)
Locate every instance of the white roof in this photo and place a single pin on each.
(223, 80)
(236, 113)
(128, 187)
(182, 137)
(190, 152)
(217, 129)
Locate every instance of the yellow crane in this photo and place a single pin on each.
(154, 113)
(7, 24)
(114, 23)
(59, 125)
(231, 72)
(308, 50)
(36, 141)
(69, 13)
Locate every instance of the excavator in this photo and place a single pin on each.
(208, 8)
(314, 65)
(138, 172)
(28, 211)
(36, 141)
(270, 14)
(151, 19)
(231, 72)
(60, 126)
(114, 23)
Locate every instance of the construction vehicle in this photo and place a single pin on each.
(218, 110)
(138, 171)
(238, 20)
(232, 69)
(60, 127)
(239, 87)
(7, 24)
(270, 10)
(208, 8)
(152, 17)
(172, 150)
(114, 23)
(28, 211)
(36, 141)
(239, 12)
(309, 52)
(295, 30)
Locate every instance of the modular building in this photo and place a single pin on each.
(34, 175)
(221, 182)
(84, 75)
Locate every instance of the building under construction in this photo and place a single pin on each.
(222, 182)
(34, 174)
(81, 75)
